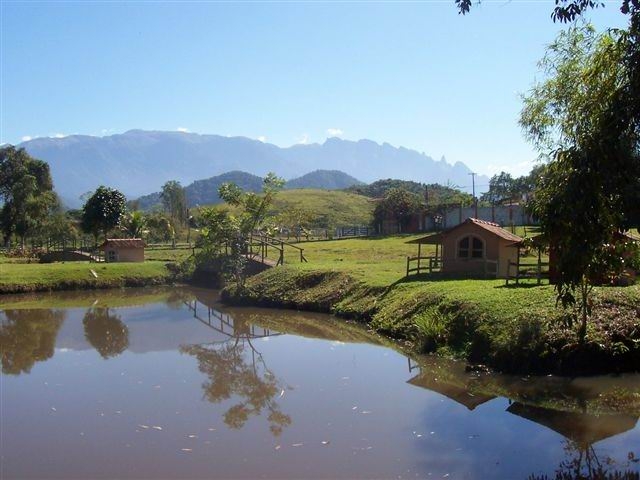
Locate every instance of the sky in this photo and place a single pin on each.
(411, 73)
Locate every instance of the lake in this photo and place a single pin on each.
(169, 383)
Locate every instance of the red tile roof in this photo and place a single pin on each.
(494, 228)
(489, 226)
(123, 243)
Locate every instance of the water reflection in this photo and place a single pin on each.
(27, 337)
(106, 332)
(454, 383)
(581, 431)
(582, 463)
(357, 394)
(230, 373)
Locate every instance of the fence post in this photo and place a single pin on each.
(408, 266)
(281, 252)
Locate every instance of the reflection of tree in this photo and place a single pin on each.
(27, 337)
(582, 463)
(229, 375)
(105, 332)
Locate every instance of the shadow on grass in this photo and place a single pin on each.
(439, 277)
(443, 277)
(532, 284)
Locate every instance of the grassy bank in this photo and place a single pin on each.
(32, 277)
(511, 329)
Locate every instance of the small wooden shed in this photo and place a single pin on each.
(123, 250)
(474, 247)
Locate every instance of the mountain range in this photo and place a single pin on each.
(138, 162)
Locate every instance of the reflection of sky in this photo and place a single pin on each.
(78, 415)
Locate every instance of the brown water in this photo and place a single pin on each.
(167, 383)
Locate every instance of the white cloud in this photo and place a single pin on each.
(59, 135)
(334, 132)
(262, 138)
(304, 139)
(26, 138)
(182, 130)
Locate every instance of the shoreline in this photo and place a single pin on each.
(529, 341)
(481, 322)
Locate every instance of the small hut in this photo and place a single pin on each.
(474, 247)
(123, 250)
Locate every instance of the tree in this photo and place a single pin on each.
(103, 211)
(160, 228)
(399, 204)
(583, 117)
(26, 193)
(502, 187)
(174, 201)
(134, 223)
(224, 235)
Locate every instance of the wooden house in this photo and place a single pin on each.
(123, 250)
(472, 248)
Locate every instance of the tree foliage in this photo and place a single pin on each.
(174, 201)
(224, 235)
(134, 224)
(503, 187)
(103, 211)
(584, 118)
(400, 205)
(565, 11)
(26, 193)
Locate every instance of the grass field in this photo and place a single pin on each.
(15, 277)
(328, 208)
(377, 261)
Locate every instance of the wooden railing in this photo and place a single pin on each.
(434, 264)
(81, 246)
(260, 246)
(423, 264)
(517, 271)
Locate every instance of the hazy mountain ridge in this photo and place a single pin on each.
(138, 162)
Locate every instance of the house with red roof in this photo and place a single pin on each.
(123, 250)
(474, 248)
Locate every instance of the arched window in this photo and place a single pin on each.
(470, 247)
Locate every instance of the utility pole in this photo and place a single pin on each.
(473, 186)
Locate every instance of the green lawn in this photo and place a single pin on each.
(36, 276)
(377, 261)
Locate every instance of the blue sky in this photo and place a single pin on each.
(414, 74)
